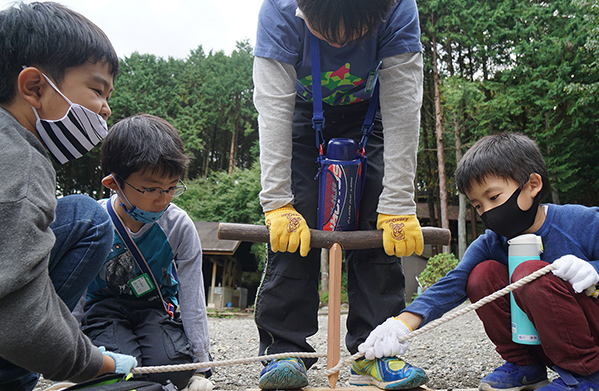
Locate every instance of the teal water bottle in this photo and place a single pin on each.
(521, 249)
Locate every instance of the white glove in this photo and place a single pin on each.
(580, 273)
(199, 383)
(383, 341)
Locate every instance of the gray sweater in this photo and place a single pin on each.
(38, 331)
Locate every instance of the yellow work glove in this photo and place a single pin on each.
(402, 235)
(288, 230)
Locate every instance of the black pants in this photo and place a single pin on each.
(141, 329)
(287, 301)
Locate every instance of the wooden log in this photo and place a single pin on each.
(334, 326)
(349, 240)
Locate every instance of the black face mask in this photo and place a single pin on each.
(508, 219)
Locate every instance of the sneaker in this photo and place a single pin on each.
(512, 377)
(284, 373)
(570, 382)
(387, 373)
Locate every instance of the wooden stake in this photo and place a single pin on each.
(334, 328)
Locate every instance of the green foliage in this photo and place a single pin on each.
(437, 267)
(222, 197)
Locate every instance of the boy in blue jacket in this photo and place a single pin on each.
(505, 178)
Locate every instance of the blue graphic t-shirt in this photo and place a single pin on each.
(283, 36)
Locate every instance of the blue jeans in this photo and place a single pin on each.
(84, 235)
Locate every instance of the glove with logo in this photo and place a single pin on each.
(288, 230)
(576, 271)
(402, 235)
(123, 363)
(383, 341)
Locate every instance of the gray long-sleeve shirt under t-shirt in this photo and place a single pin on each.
(38, 331)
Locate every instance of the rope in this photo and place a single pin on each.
(349, 360)
(211, 364)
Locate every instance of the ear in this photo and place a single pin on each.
(536, 184)
(110, 182)
(31, 85)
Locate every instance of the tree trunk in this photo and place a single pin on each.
(463, 202)
(440, 154)
(232, 149)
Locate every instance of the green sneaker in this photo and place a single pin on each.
(388, 373)
(283, 373)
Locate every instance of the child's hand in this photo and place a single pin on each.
(383, 341)
(402, 235)
(198, 382)
(288, 230)
(123, 362)
(580, 273)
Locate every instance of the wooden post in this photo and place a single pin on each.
(334, 328)
(213, 284)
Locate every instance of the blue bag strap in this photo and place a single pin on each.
(318, 120)
(137, 255)
(318, 112)
(369, 120)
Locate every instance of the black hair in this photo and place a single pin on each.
(145, 143)
(51, 37)
(507, 156)
(342, 21)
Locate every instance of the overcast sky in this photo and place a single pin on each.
(169, 27)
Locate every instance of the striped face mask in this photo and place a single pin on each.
(73, 135)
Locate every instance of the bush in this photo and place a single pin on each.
(437, 267)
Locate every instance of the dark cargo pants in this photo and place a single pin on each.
(287, 300)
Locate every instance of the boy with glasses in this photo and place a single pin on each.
(129, 307)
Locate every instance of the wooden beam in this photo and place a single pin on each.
(349, 240)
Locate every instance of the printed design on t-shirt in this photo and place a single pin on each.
(119, 271)
(338, 87)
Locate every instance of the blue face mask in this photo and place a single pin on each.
(139, 215)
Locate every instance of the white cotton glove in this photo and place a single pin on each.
(578, 272)
(199, 383)
(383, 341)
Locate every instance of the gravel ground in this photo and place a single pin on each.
(455, 355)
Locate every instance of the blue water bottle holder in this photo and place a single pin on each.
(342, 171)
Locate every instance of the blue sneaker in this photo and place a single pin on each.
(283, 373)
(512, 377)
(387, 373)
(570, 382)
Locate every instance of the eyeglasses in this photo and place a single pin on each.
(155, 192)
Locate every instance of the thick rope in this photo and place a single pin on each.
(210, 364)
(349, 360)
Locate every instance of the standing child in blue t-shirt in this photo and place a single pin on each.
(129, 309)
(358, 41)
(505, 178)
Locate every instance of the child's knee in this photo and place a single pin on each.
(485, 278)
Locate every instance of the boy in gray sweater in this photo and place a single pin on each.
(56, 74)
